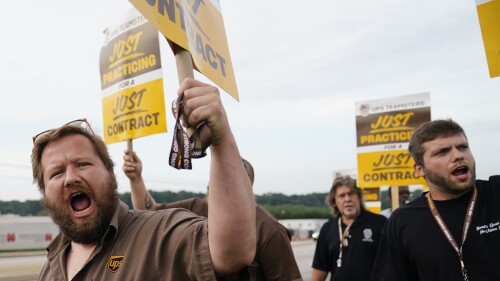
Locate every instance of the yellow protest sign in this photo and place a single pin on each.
(383, 129)
(133, 103)
(392, 167)
(196, 26)
(488, 12)
(372, 199)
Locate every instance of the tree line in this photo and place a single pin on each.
(281, 206)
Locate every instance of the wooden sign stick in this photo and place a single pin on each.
(395, 197)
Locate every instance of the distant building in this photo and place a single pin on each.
(18, 233)
(302, 228)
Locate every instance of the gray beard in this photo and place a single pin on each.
(351, 213)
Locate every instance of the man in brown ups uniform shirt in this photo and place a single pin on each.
(274, 259)
(100, 239)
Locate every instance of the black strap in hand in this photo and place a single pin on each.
(183, 147)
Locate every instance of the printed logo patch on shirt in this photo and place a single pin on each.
(488, 228)
(368, 233)
(114, 263)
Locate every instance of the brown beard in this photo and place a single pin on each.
(88, 231)
(445, 184)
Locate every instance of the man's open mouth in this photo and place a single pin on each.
(461, 170)
(80, 203)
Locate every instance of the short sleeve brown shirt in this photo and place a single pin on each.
(141, 245)
(274, 260)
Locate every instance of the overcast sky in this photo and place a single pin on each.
(300, 68)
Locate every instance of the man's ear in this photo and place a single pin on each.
(419, 170)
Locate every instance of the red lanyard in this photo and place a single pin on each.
(446, 231)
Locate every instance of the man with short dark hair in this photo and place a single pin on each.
(347, 243)
(451, 232)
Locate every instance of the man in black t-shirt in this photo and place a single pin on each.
(347, 243)
(451, 232)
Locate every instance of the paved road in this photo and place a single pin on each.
(23, 266)
(26, 266)
(304, 251)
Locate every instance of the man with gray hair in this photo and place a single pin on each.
(347, 242)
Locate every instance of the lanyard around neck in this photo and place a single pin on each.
(343, 236)
(343, 240)
(446, 231)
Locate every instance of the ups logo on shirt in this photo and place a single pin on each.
(114, 263)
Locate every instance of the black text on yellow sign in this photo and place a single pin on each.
(393, 168)
(196, 26)
(134, 112)
(130, 55)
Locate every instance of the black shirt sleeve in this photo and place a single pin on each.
(322, 259)
(391, 264)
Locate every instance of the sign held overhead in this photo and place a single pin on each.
(133, 104)
(196, 26)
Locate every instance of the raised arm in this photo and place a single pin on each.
(132, 167)
(231, 205)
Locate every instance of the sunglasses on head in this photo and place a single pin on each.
(78, 123)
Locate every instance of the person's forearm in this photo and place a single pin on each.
(141, 199)
(318, 275)
(231, 209)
